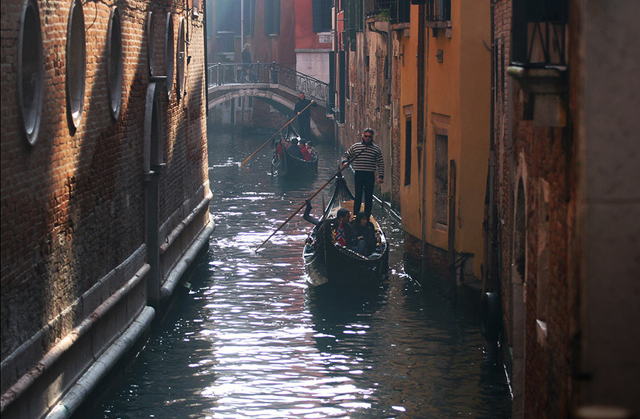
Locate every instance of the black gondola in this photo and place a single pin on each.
(285, 164)
(330, 263)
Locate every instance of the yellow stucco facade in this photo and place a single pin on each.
(454, 58)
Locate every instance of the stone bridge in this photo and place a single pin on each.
(275, 84)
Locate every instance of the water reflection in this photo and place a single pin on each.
(250, 340)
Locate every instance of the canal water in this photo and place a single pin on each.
(245, 337)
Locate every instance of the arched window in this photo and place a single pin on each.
(114, 37)
(76, 66)
(30, 70)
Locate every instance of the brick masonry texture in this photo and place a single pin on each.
(534, 155)
(73, 205)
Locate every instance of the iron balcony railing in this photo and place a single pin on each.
(237, 73)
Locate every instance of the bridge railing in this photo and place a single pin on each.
(237, 73)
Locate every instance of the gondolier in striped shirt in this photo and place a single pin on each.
(367, 163)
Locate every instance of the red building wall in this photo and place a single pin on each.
(305, 37)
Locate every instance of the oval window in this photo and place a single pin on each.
(30, 70)
(180, 58)
(168, 56)
(76, 63)
(115, 64)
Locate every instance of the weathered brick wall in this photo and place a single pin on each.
(547, 371)
(73, 205)
(504, 186)
(537, 156)
(369, 103)
(395, 118)
(431, 269)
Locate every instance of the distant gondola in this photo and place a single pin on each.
(329, 263)
(285, 164)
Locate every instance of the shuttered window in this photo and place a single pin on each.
(321, 15)
(271, 17)
(249, 11)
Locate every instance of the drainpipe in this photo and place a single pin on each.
(241, 26)
(487, 280)
(420, 134)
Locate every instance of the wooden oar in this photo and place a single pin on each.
(283, 127)
(309, 199)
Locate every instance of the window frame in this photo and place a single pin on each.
(272, 17)
(169, 48)
(31, 115)
(115, 69)
(75, 65)
(441, 172)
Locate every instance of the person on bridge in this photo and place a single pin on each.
(246, 63)
(367, 161)
(304, 118)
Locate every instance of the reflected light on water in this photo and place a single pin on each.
(250, 340)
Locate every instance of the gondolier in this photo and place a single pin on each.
(331, 256)
(301, 108)
(367, 163)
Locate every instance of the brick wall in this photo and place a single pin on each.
(73, 204)
(538, 156)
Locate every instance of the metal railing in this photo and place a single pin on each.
(237, 73)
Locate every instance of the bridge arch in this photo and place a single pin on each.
(284, 104)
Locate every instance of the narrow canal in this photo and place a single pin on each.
(245, 340)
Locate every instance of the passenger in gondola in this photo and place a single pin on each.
(280, 148)
(319, 236)
(307, 214)
(341, 230)
(365, 234)
(294, 149)
(305, 150)
(312, 151)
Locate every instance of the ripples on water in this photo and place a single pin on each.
(248, 340)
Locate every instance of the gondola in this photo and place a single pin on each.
(329, 264)
(284, 164)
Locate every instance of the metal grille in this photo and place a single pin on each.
(232, 73)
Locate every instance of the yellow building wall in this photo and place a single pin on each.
(458, 105)
(410, 198)
(475, 82)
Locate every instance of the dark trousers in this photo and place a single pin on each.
(246, 71)
(363, 182)
(304, 122)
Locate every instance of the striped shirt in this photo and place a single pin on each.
(369, 158)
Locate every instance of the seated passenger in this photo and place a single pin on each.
(312, 151)
(305, 150)
(294, 149)
(341, 231)
(280, 148)
(365, 234)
